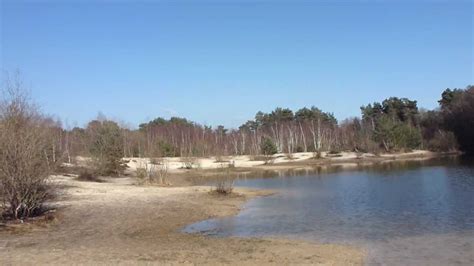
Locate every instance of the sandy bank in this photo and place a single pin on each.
(279, 161)
(119, 223)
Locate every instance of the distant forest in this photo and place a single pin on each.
(393, 125)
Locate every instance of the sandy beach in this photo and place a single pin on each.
(117, 222)
(280, 160)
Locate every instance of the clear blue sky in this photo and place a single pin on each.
(219, 62)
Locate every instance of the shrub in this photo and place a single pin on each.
(268, 147)
(167, 150)
(141, 174)
(151, 173)
(88, 175)
(225, 183)
(397, 135)
(457, 109)
(106, 147)
(224, 186)
(443, 141)
(24, 166)
(146, 173)
(406, 137)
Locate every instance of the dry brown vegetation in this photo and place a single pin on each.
(154, 172)
(26, 157)
(224, 183)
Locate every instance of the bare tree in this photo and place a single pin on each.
(24, 152)
(303, 137)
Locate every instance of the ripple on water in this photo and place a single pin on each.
(418, 213)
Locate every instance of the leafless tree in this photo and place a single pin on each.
(24, 152)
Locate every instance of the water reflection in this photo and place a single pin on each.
(384, 166)
(386, 207)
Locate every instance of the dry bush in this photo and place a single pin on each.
(224, 183)
(153, 173)
(80, 172)
(162, 172)
(146, 172)
(24, 143)
(88, 175)
(224, 186)
(442, 141)
(141, 174)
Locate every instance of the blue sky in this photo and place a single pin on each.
(219, 62)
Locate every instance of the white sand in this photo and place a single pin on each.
(245, 161)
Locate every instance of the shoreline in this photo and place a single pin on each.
(348, 161)
(130, 223)
(120, 222)
(148, 221)
(364, 160)
(182, 164)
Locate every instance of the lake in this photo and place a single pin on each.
(402, 213)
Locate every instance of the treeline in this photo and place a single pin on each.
(32, 145)
(395, 124)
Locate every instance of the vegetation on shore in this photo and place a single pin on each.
(32, 146)
(393, 125)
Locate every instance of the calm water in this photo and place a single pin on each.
(417, 213)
